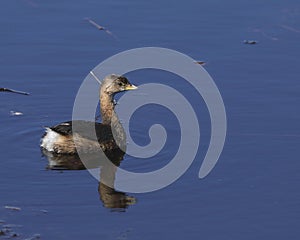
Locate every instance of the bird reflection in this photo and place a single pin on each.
(111, 199)
(101, 150)
(109, 196)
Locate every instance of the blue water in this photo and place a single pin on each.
(47, 49)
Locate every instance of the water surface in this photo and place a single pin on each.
(47, 49)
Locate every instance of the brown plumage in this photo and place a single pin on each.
(61, 138)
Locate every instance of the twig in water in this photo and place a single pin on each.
(13, 208)
(13, 91)
(200, 62)
(250, 42)
(99, 27)
(13, 113)
(96, 78)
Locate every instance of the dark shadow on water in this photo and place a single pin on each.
(111, 199)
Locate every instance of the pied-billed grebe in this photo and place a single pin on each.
(60, 138)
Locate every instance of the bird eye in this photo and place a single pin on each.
(120, 84)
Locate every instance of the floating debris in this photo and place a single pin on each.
(96, 78)
(200, 62)
(13, 235)
(44, 211)
(13, 208)
(13, 91)
(99, 27)
(5, 231)
(9, 226)
(13, 113)
(250, 42)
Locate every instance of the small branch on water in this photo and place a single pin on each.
(13, 91)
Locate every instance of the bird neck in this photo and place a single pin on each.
(107, 107)
(110, 117)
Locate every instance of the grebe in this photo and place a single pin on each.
(60, 139)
